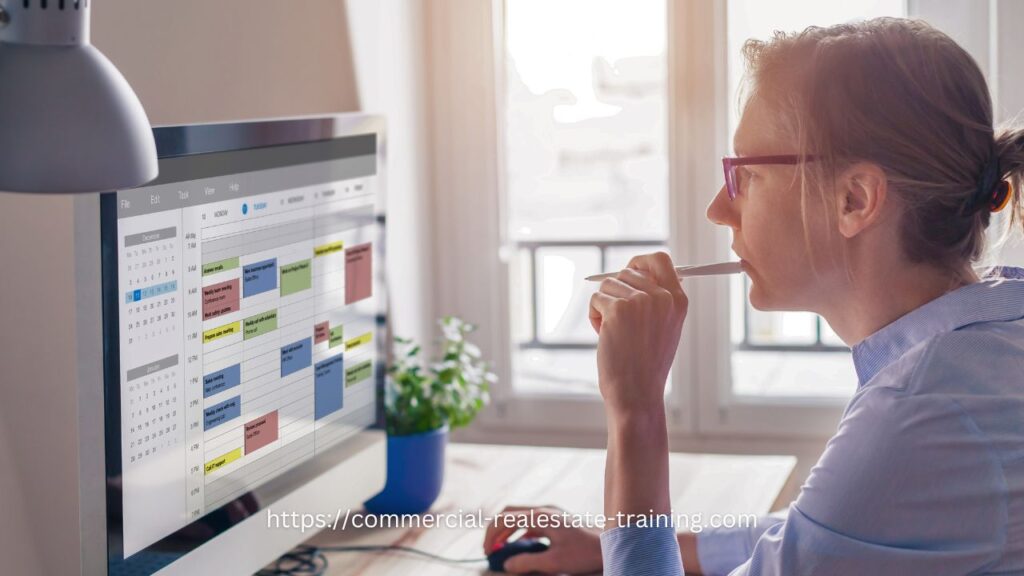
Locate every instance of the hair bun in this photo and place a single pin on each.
(989, 190)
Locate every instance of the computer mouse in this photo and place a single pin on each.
(496, 559)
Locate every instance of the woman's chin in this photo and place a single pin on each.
(759, 300)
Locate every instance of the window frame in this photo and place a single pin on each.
(703, 118)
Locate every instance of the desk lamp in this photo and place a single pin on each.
(69, 121)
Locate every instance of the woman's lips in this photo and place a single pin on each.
(744, 265)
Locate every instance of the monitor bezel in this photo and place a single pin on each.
(197, 139)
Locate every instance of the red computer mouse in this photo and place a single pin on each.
(496, 559)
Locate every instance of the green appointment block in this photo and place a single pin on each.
(358, 373)
(220, 266)
(260, 324)
(337, 337)
(296, 277)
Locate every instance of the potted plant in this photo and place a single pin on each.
(422, 404)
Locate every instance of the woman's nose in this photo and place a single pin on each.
(722, 211)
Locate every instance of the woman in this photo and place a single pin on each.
(868, 173)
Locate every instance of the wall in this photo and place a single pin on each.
(198, 61)
(390, 62)
(191, 61)
(38, 418)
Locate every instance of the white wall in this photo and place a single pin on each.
(191, 61)
(390, 62)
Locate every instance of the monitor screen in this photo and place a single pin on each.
(243, 322)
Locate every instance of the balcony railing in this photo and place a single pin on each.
(603, 246)
(531, 247)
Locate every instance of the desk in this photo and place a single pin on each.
(490, 477)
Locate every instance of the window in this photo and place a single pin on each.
(585, 170)
(576, 108)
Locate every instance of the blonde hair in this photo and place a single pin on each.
(904, 96)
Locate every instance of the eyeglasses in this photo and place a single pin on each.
(736, 181)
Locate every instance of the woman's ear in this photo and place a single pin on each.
(862, 192)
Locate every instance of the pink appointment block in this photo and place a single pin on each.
(358, 272)
(321, 332)
(260, 432)
(220, 299)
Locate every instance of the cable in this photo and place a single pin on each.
(310, 560)
(406, 549)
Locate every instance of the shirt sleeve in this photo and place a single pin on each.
(721, 550)
(907, 486)
(641, 551)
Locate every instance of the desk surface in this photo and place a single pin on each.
(488, 478)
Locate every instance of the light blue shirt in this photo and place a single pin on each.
(925, 474)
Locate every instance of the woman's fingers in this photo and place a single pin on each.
(630, 283)
(619, 288)
(643, 282)
(501, 535)
(638, 280)
(601, 305)
(510, 520)
(638, 332)
(497, 532)
(572, 550)
(659, 266)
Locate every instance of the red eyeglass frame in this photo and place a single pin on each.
(730, 162)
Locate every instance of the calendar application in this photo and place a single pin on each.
(246, 326)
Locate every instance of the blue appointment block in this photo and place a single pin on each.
(222, 380)
(328, 386)
(259, 277)
(296, 356)
(222, 412)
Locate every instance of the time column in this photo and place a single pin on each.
(192, 314)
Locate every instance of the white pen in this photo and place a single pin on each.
(690, 270)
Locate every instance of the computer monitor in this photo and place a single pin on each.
(243, 337)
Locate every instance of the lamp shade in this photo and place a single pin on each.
(69, 121)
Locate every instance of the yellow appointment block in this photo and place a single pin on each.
(358, 340)
(221, 461)
(221, 331)
(324, 249)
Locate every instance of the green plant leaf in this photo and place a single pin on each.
(422, 396)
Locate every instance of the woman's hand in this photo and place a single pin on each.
(572, 551)
(638, 316)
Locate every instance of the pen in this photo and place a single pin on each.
(689, 270)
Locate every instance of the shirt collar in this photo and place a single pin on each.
(997, 298)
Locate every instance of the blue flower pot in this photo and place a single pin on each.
(415, 474)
